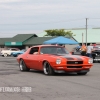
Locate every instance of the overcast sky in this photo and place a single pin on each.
(35, 16)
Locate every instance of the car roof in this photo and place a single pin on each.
(47, 46)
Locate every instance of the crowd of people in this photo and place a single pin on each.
(87, 50)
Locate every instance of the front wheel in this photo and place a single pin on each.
(5, 55)
(22, 66)
(82, 73)
(47, 69)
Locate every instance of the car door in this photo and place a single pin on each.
(33, 58)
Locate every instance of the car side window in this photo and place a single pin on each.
(34, 50)
(13, 49)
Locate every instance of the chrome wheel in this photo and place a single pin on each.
(47, 69)
(22, 66)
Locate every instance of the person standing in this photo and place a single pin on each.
(89, 50)
(83, 50)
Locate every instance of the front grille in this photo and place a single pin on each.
(74, 62)
(74, 66)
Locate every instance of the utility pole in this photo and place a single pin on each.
(86, 32)
(82, 39)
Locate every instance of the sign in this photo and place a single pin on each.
(13, 43)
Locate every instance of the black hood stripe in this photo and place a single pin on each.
(69, 58)
(78, 58)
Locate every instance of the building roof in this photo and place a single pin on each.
(2, 40)
(22, 37)
(37, 40)
(19, 39)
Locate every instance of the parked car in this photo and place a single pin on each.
(15, 54)
(96, 54)
(53, 59)
(8, 52)
(76, 50)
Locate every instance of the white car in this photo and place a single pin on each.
(8, 52)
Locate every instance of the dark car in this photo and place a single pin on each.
(96, 54)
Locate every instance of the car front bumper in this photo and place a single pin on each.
(72, 68)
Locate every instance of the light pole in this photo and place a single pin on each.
(86, 32)
(82, 39)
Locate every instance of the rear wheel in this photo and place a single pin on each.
(48, 70)
(14, 56)
(11, 55)
(22, 66)
(17, 55)
(82, 73)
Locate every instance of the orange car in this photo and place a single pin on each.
(52, 59)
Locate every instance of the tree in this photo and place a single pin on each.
(58, 32)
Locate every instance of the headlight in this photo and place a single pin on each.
(90, 61)
(58, 61)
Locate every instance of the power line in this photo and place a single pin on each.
(51, 22)
(44, 22)
(94, 18)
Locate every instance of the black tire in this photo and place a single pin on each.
(17, 55)
(47, 69)
(22, 66)
(11, 55)
(94, 61)
(82, 73)
(5, 55)
(98, 61)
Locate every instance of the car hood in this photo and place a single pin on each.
(71, 57)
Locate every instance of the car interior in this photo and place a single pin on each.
(34, 50)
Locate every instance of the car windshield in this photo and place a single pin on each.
(53, 50)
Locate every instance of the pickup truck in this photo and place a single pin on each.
(8, 52)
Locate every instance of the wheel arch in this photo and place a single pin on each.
(46, 61)
(24, 66)
(49, 70)
(21, 59)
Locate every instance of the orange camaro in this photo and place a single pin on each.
(52, 59)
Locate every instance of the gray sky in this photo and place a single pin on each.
(35, 16)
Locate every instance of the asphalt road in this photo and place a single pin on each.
(34, 85)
